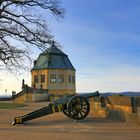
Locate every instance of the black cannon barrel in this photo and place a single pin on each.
(67, 98)
(89, 95)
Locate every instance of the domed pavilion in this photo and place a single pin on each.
(53, 71)
(52, 74)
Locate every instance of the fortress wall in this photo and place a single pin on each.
(138, 106)
(134, 116)
(119, 102)
(39, 97)
(29, 97)
(20, 99)
(96, 109)
(23, 98)
(117, 108)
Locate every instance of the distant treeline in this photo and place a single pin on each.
(129, 93)
(5, 98)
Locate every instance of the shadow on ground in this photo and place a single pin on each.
(68, 121)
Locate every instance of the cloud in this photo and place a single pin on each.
(11, 82)
(116, 79)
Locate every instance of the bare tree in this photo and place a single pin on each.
(21, 27)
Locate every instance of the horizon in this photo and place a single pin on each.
(126, 93)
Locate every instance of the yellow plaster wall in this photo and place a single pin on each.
(55, 88)
(26, 97)
(124, 108)
(20, 99)
(57, 85)
(96, 111)
(112, 102)
(66, 84)
(71, 85)
(39, 97)
(118, 100)
(39, 72)
(61, 91)
(29, 97)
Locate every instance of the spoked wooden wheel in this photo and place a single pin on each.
(78, 108)
(66, 113)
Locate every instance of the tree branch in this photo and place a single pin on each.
(18, 24)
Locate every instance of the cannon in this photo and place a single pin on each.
(74, 106)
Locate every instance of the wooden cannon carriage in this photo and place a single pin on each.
(74, 106)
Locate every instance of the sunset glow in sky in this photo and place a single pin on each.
(102, 40)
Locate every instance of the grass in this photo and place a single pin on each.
(4, 105)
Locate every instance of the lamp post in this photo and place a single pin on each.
(5, 92)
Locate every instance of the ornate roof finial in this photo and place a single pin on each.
(53, 43)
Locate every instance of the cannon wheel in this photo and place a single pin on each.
(66, 113)
(78, 108)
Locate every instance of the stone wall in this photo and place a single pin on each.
(39, 97)
(117, 108)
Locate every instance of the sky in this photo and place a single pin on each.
(102, 40)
